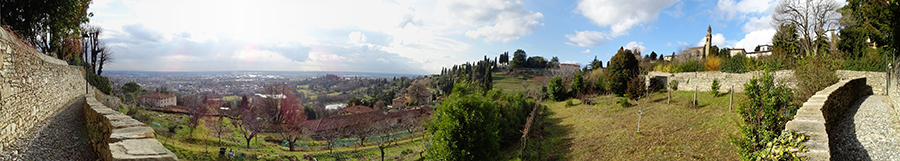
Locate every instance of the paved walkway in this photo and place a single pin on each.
(870, 131)
(59, 138)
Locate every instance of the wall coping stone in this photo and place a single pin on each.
(122, 138)
(813, 117)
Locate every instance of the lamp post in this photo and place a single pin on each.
(84, 58)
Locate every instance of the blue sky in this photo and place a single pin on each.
(409, 36)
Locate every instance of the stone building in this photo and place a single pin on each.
(700, 51)
(399, 102)
(157, 99)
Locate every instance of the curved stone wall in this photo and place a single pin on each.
(33, 88)
(689, 81)
(116, 136)
(817, 115)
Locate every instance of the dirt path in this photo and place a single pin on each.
(869, 131)
(59, 138)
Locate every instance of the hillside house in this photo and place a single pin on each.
(399, 102)
(569, 67)
(157, 99)
(737, 51)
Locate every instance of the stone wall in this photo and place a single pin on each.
(690, 81)
(816, 116)
(116, 136)
(33, 87)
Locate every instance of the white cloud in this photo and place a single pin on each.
(409, 35)
(569, 62)
(676, 12)
(731, 9)
(496, 20)
(758, 24)
(752, 39)
(622, 15)
(586, 51)
(717, 40)
(636, 45)
(357, 37)
(668, 43)
(587, 38)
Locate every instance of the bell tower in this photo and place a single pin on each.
(708, 42)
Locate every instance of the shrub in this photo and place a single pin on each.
(569, 103)
(713, 63)
(636, 88)
(464, 127)
(556, 89)
(686, 66)
(734, 64)
(764, 114)
(714, 88)
(871, 61)
(783, 148)
(673, 85)
(100, 82)
(623, 102)
(577, 84)
(814, 74)
(663, 67)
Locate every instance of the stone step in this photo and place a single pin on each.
(138, 132)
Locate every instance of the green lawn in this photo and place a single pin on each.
(518, 83)
(607, 131)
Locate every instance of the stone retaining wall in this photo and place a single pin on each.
(116, 136)
(816, 116)
(690, 81)
(33, 88)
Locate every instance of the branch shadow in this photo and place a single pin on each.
(843, 140)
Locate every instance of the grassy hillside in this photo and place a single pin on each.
(607, 131)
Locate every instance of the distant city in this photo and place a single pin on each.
(225, 82)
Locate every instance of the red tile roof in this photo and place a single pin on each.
(157, 95)
(357, 109)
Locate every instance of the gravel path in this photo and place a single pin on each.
(870, 131)
(59, 138)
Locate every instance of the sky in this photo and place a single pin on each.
(410, 36)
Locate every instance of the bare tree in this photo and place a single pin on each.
(643, 107)
(268, 105)
(247, 122)
(292, 110)
(811, 18)
(106, 56)
(196, 109)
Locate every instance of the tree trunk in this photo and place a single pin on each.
(382, 152)
(248, 141)
(291, 142)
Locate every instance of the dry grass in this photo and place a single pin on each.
(607, 131)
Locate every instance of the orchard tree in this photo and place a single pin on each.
(292, 110)
(247, 122)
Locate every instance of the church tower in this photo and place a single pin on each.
(708, 42)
